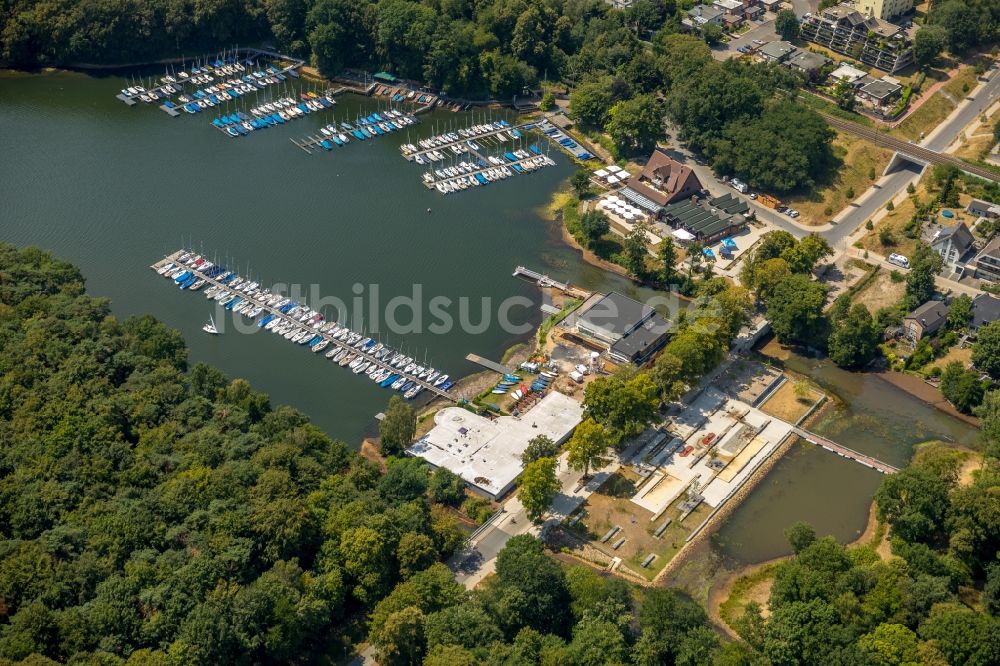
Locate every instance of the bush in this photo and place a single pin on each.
(896, 276)
(548, 102)
(849, 193)
(869, 225)
(890, 206)
(478, 509)
(871, 174)
(910, 189)
(885, 237)
(828, 211)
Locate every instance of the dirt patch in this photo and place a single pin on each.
(971, 465)
(860, 160)
(369, 450)
(611, 506)
(791, 401)
(881, 292)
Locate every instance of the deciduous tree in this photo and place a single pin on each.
(538, 486)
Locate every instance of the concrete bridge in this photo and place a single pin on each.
(908, 151)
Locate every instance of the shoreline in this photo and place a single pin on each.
(553, 213)
(926, 393)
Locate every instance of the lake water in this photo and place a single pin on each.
(833, 494)
(113, 188)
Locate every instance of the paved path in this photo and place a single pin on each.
(478, 559)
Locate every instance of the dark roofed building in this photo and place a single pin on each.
(662, 181)
(925, 320)
(881, 91)
(986, 265)
(985, 310)
(808, 62)
(952, 243)
(639, 346)
(613, 317)
(777, 51)
(709, 220)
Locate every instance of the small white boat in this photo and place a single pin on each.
(210, 327)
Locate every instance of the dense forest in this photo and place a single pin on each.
(935, 600)
(152, 513)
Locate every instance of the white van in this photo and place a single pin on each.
(898, 260)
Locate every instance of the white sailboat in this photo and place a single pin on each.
(210, 326)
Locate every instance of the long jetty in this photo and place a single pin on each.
(539, 278)
(174, 258)
(844, 452)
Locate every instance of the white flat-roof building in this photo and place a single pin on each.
(486, 453)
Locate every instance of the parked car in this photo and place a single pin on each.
(791, 212)
(898, 260)
(753, 195)
(708, 439)
(687, 451)
(758, 42)
(743, 49)
(782, 209)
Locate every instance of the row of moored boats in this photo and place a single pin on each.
(367, 127)
(464, 175)
(270, 114)
(440, 147)
(300, 324)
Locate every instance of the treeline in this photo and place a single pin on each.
(536, 611)
(742, 116)
(152, 513)
(465, 47)
(934, 600)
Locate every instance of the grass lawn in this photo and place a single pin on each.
(820, 104)
(938, 107)
(858, 159)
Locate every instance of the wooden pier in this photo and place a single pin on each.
(292, 320)
(540, 279)
(844, 452)
(464, 142)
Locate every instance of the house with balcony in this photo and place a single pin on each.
(873, 41)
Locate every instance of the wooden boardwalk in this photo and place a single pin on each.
(844, 452)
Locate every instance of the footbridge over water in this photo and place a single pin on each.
(844, 452)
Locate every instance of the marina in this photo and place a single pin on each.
(299, 324)
(222, 78)
(270, 114)
(373, 125)
(486, 170)
(439, 147)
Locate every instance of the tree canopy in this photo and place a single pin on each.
(148, 509)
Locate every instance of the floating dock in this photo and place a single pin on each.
(386, 122)
(211, 275)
